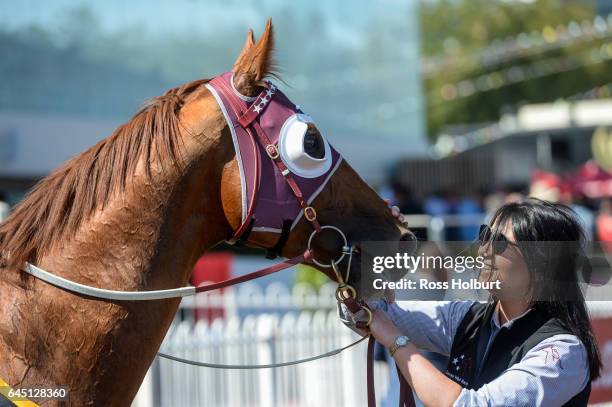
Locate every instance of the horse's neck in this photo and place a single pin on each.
(147, 239)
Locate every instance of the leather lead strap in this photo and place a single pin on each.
(406, 398)
(306, 257)
(370, 373)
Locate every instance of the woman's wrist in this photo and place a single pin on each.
(389, 337)
(383, 329)
(404, 352)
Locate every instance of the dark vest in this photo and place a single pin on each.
(508, 347)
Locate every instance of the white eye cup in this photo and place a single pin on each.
(292, 149)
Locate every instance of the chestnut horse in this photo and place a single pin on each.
(134, 213)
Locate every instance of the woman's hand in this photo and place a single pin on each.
(395, 211)
(397, 214)
(383, 329)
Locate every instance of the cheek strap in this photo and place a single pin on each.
(276, 251)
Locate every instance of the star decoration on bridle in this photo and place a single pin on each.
(259, 106)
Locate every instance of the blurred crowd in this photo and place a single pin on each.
(595, 213)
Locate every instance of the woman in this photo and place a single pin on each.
(531, 344)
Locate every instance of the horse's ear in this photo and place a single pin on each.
(255, 62)
(248, 43)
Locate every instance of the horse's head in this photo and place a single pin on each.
(274, 140)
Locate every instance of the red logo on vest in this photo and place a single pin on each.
(552, 356)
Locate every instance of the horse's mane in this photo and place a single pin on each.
(59, 203)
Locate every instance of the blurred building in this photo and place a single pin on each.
(32, 144)
(555, 137)
(77, 69)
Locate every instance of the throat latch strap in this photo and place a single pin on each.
(276, 251)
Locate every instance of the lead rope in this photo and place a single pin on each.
(346, 294)
(406, 398)
(266, 366)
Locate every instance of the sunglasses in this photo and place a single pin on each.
(499, 241)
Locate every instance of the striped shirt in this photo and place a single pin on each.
(549, 374)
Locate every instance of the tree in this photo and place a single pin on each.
(456, 32)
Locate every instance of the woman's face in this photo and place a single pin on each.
(508, 267)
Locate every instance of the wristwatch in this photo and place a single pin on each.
(399, 342)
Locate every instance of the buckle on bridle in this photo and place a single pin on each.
(310, 214)
(370, 316)
(344, 289)
(272, 151)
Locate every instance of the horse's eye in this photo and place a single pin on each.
(302, 148)
(313, 143)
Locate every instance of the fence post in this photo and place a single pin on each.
(435, 230)
(264, 356)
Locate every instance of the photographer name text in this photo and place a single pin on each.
(424, 284)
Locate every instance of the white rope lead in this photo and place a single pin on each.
(254, 367)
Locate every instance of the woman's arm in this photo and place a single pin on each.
(430, 325)
(432, 387)
(551, 373)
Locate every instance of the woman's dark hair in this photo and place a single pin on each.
(554, 264)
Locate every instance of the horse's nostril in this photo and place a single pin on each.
(408, 237)
(411, 243)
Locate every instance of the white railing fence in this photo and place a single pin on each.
(261, 339)
(262, 326)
